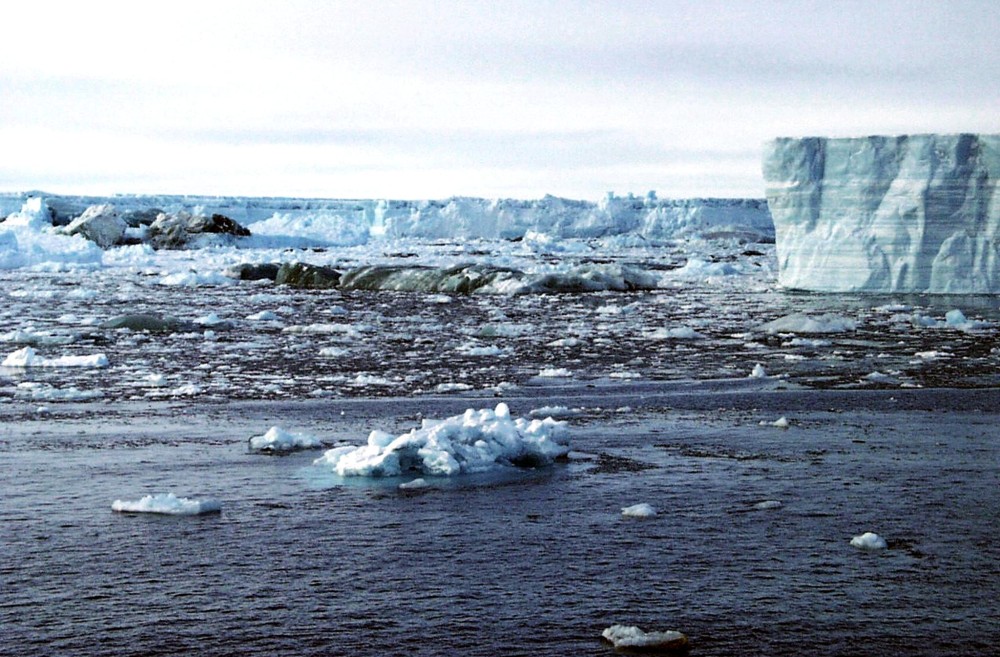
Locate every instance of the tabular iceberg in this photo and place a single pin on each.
(917, 213)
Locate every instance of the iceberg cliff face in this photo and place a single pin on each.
(916, 213)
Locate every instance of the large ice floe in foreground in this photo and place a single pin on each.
(916, 213)
(476, 441)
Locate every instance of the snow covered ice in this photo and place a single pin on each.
(476, 441)
(917, 213)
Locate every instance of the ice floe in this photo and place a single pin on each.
(869, 541)
(642, 510)
(797, 323)
(167, 503)
(28, 357)
(630, 637)
(278, 440)
(476, 441)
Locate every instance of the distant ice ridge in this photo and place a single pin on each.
(27, 239)
(476, 441)
(916, 213)
(290, 222)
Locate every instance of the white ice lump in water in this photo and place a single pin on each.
(278, 440)
(476, 441)
(168, 504)
(869, 541)
(631, 637)
(642, 510)
(28, 357)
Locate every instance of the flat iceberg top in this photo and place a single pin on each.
(168, 504)
(475, 441)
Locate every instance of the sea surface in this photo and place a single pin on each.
(513, 562)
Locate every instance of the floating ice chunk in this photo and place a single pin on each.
(869, 541)
(678, 333)
(696, 268)
(195, 279)
(758, 372)
(797, 323)
(555, 373)
(956, 319)
(767, 504)
(186, 390)
(452, 387)
(278, 440)
(565, 342)
(642, 510)
(780, 423)
(630, 637)
(28, 357)
(416, 484)
(806, 342)
(32, 337)
(168, 504)
(263, 316)
(554, 411)
(473, 442)
(625, 375)
(45, 392)
(332, 352)
(489, 350)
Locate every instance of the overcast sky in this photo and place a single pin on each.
(410, 100)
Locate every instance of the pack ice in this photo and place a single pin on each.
(916, 213)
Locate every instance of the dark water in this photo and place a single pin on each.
(524, 563)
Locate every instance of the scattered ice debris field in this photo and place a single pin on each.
(196, 322)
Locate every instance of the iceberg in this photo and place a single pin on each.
(917, 213)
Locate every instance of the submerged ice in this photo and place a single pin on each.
(475, 441)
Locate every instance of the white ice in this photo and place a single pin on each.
(631, 637)
(869, 541)
(28, 357)
(642, 510)
(473, 442)
(917, 213)
(168, 504)
(277, 439)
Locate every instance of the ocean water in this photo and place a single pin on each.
(517, 562)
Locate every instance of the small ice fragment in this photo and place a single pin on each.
(767, 504)
(631, 637)
(416, 484)
(555, 373)
(642, 510)
(758, 372)
(869, 541)
(781, 423)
